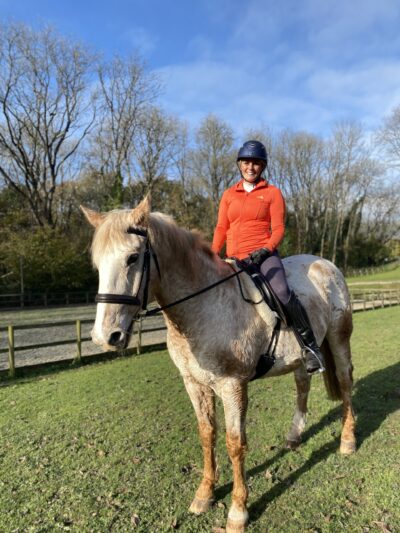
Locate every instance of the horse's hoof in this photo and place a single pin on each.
(347, 447)
(292, 444)
(235, 527)
(200, 506)
(237, 521)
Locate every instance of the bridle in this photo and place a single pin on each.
(125, 299)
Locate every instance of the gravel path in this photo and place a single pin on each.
(54, 332)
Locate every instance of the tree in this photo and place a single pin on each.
(45, 113)
(389, 137)
(350, 173)
(299, 161)
(155, 146)
(126, 90)
(214, 160)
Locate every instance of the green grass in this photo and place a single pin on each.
(92, 448)
(392, 274)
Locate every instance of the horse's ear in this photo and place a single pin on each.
(139, 216)
(93, 217)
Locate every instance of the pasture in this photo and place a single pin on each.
(113, 446)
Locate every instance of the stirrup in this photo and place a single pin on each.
(309, 350)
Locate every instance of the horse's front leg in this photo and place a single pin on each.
(303, 381)
(203, 400)
(234, 397)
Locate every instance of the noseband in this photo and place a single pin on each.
(125, 299)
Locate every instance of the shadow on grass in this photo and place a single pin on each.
(375, 397)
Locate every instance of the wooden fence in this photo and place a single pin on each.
(362, 299)
(46, 299)
(139, 329)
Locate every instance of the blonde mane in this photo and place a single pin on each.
(184, 245)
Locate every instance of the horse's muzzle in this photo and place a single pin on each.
(118, 339)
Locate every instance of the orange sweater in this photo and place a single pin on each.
(250, 220)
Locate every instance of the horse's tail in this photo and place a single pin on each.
(330, 378)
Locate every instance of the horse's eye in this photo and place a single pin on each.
(132, 259)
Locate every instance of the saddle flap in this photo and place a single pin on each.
(253, 292)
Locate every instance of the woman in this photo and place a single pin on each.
(251, 220)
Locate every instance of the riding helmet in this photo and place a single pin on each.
(252, 149)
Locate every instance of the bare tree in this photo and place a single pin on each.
(214, 159)
(126, 90)
(389, 137)
(45, 113)
(350, 172)
(298, 160)
(155, 146)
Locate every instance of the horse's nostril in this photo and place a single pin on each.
(116, 338)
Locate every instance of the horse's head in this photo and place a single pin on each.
(120, 252)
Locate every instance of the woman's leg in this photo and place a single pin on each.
(273, 271)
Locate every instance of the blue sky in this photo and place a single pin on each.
(303, 64)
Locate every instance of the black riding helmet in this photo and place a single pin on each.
(252, 150)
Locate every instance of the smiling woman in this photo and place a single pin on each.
(251, 220)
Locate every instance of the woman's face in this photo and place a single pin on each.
(251, 169)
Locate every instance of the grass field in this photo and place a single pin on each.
(113, 447)
(391, 274)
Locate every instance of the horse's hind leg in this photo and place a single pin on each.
(339, 344)
(344, 372)
(203, 400)
(303, 381)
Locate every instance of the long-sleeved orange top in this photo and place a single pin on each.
(251, 220)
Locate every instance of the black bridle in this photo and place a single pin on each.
(125, 299)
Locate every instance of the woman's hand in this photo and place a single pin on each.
(259, 256)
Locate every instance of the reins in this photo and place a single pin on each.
(201, 291)
(126, 299)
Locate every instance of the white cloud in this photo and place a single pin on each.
(303, 65)
(141, 39)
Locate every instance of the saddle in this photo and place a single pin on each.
(263, 287)
(266, 360)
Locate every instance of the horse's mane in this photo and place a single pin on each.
(182, 244)
(186, 246)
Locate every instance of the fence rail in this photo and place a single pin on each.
(45, 299)
(361, 300)
(139, 328)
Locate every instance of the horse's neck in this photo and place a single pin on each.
(178, 281)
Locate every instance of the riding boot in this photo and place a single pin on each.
(313, 358)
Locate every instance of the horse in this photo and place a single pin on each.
(215, 338)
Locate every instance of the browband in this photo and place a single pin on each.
(137, 231)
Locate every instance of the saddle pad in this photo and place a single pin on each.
(251, 292)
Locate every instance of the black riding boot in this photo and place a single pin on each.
(314, 360)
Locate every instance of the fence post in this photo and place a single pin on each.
(139, 337)
(78, 358)
(11, 357)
